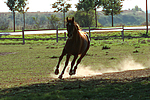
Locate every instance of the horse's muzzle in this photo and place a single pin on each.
(69, 35)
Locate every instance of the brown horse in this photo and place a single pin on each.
(77, 44)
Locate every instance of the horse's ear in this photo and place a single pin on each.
(72, 19)
(67, 19)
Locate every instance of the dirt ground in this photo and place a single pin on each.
(123, 75)
(6, 53)
(130, 74)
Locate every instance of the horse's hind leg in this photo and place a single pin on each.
(78, 61)
(66, 63)
(60, 58)
(72, 64)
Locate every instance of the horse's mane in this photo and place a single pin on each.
(77, 25)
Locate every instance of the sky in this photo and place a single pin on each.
(45, 5)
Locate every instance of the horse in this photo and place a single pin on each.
(77, 43)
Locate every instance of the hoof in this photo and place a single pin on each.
(60, 77)
(71, 73)
(56, 71)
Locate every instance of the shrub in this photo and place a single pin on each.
(4, 25)
(137, 46)
(105, 47)
(135, 51)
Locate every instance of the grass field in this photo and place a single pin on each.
(26, 70)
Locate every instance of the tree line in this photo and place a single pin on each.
(49, 20)
(86, 15)
(84, 6)
(88, 9)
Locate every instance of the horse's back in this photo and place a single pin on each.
(85, 36)
(86, 41)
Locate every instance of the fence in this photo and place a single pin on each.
(23, 37)
(122, 30)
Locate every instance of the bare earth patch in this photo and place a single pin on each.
(6, 53)
(123, 75)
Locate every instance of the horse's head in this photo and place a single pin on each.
(70, 27)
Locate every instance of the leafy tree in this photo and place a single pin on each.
(71, 14)
(112, 7)
(61, 6)
(137, 8)
(122, 19)
(87, 5)
(52, 21)
(17, 5)
(12, 4)
(38, 22)
(84, 19)
(4, 23)
(21, 7)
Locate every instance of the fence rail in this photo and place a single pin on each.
(88, 31)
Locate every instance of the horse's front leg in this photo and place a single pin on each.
(66, 64)
(72, 64)
(60, 58)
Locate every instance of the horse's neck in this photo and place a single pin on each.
(77, 35)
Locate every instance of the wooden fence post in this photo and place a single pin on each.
(65, 36)
(23, 35)
(89, 32)
(122, 32)
(56, 33)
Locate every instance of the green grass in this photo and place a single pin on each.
(97, 89)
(10, 30)
(25, 72)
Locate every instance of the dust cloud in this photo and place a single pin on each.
(130, 64)
(83, 71)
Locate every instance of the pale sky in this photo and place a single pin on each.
(44, 5)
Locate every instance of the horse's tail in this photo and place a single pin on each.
(88, 41)
(88, 37)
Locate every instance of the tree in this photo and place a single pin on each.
(38, 22)
(4, 23)
(61, 6)
(84, 19)
(87, 5)
(112, 7)
(52, 21)
(21, 7)
(12, 4)
(136, 8)
(146, 18)
(71, 14)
